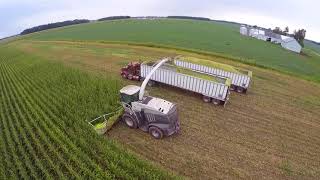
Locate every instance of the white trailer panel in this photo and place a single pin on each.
(205, 87)
(237, 79)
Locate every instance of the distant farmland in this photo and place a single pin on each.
(212, 37)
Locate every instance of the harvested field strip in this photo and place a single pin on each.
(208, 37)
(44, 134)
(262, 133)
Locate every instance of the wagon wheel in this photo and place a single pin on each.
(151, 83)
(240, 89)
(232, 88)
(216, 102)
(206, 99)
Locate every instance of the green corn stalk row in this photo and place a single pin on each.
(43, 129)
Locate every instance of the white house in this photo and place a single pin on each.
(290, 43)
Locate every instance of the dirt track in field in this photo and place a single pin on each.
(272, 132)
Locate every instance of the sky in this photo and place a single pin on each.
(17, 15)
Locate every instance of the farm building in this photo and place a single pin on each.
(286, 42)
(253, 32)
(244, 30)
(291, 44)
(261, 35)
(273, 37)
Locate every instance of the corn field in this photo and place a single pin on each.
(44, 133)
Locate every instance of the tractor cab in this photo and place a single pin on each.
(129, 94)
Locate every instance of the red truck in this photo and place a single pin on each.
(131, 71)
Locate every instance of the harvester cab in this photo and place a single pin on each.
(154, 115)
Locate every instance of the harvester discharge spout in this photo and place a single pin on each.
(146, 80)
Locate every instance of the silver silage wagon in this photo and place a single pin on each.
(239, 81)
(213, 89)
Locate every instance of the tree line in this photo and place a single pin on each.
(67, 23)
(113, 18)
(54, 25)
(189, 17)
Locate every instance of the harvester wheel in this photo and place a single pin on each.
(206, 99)
(124, 76)
(216, 102)
(240, 89)
(156, 132)
(151, 83)
(130, 122)
(232, 88)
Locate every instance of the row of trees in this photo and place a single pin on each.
(54, 25)
(114, 18)
(299, 34)
(278, 30)
(189, 17)
(67, 23)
